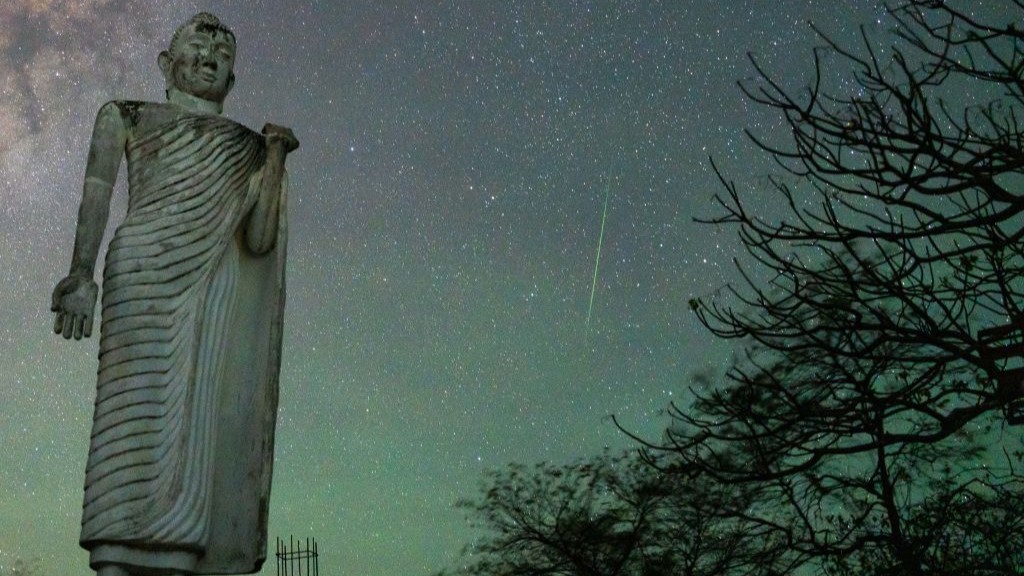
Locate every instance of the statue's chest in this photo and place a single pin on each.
(191, 161)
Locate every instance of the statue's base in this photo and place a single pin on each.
(141, 561)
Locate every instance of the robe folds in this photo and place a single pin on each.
(181, 453)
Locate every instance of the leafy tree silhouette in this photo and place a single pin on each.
(607, 516)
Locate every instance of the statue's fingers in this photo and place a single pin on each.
(69, 326)
(79, 325)
(87, 329)
(58, 323)
(291, 142)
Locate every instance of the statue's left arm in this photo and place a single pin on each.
(261, 228)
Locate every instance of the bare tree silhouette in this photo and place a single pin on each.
(867, 426)
(883, 356)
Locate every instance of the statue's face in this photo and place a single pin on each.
(202, 64)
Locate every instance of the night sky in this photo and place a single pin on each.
(446, 205)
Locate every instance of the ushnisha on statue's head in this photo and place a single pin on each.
(199, 62)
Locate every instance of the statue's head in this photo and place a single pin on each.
(200, 59)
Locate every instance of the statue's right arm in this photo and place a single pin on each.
(74, 298)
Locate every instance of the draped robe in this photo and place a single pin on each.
(178, 474)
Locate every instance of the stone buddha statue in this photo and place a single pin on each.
(179, 467)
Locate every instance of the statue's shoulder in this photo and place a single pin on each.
(130, 112)
(131, 117)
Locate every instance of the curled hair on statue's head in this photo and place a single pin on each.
(203, 22)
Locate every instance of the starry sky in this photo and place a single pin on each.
(446, 205)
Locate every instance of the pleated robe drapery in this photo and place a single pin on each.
(180, 460)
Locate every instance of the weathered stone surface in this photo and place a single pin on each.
(179, 468)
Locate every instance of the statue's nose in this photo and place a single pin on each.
(206, 56)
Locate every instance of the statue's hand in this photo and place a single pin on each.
(74, 301)
(280, 136)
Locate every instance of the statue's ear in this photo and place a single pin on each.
(231, 82)
(164, 60)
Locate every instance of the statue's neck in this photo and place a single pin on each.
(193, 103)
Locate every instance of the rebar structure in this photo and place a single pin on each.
(292, 558)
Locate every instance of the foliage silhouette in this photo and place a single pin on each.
(606, 516)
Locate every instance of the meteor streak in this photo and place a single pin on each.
(600, 240)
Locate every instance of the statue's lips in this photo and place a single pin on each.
(206, 74)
